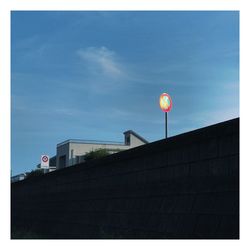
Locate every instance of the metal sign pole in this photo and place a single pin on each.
(166, 125)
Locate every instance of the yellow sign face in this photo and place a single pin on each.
(165, 102)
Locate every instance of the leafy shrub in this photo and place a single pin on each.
(96, 154)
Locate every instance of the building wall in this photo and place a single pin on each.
(74, 150)
(81, 149)
(135, 142)
(19, 177)
(185, 186)
(61, 151)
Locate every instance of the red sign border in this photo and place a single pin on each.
(170, 106)
(47, 158)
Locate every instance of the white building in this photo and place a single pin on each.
(71, 152)
(18, 177)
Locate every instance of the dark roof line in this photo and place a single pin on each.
(136, 135)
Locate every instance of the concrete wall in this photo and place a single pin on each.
(135, 142)
(184, 187)
(60, 151)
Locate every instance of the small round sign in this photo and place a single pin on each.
(165, 102)
(45, 158)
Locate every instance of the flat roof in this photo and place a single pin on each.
(79, 141)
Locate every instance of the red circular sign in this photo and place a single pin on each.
(45, 158)
(165, 102)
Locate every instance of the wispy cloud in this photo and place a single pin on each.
(101, 59)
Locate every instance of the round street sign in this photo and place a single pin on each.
(45, 158)
(165, 102)
(44, 161)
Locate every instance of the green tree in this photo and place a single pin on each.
(95, 154)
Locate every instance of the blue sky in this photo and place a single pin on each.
(94, 75)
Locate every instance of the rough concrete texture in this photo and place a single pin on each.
(186, 186)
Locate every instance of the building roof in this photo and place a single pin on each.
(102, 142)
(136, 135)
(90, 142)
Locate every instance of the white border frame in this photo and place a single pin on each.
(6, 6)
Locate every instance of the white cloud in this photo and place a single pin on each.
(101, 59)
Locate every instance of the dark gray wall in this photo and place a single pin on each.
(184, 187)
